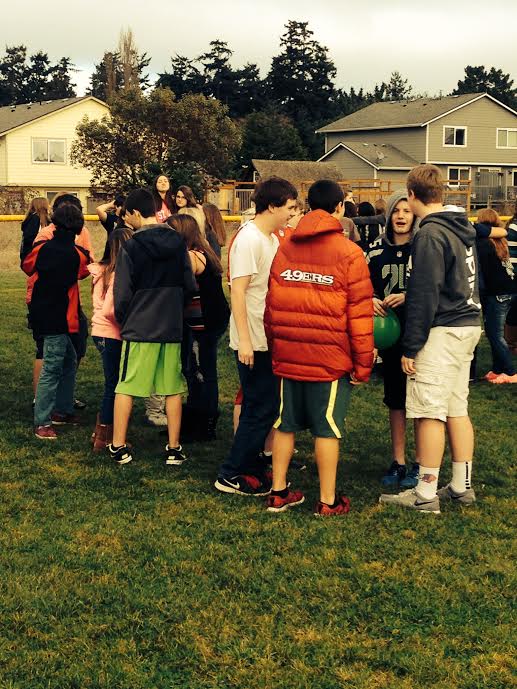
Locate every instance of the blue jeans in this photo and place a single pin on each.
(110, 351)
(260, 404)
(495, 310)
(56, 384)
(201, 373)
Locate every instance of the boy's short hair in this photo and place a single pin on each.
(68, 217)
(64, 197)
(426, 183)
(119, 200)
(325, 195)
(140, 200)
(273, 191)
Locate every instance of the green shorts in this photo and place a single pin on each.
(150, 367)
(319, 407)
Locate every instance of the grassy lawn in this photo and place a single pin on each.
(144, 576)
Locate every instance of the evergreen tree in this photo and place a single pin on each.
(183, 78)
(493, 81)
(60, 84)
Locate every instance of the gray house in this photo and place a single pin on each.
(470, 137)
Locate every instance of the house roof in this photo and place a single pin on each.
(13, 116)
(412, 113)
(380, 156)
(297, 171)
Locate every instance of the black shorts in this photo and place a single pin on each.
(79, 340)
(394, 378)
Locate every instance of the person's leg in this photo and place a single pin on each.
(283, 448)
(65, 390)
(54, 351)
(327, 455)
(207, 348)
(173, 410)
(111, 366)
(398, 434)
(495, 312)
(36, 372)
(122, 413)
(237, 408)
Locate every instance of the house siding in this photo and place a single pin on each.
(350, 165)
(3, 162)
(59, 125)
(410, 140)
(482, 119)
(396, 177)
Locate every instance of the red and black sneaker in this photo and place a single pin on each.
(324, 510)
(244, 484)
(275, 503)
(65, 419)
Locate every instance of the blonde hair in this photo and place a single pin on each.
(426, 183)
(41, 207)
(198, 216)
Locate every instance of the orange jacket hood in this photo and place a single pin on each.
(316, 223)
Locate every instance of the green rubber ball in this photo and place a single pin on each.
(386, 330)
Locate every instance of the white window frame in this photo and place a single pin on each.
(47, 161)
(455, 184)
(513, 177)
(50, 194)
(504, 129)
(455, 127)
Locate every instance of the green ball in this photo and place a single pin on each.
(386, 330)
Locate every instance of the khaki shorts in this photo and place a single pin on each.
(440, 386)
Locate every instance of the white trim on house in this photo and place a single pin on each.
(458, 182)
(504, 129)
(427, 143)
(470, 162)
(458, 107)
(455, 127)
(349, 150)
(48, 140)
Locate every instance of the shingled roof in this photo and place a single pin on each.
(12, 116)
(380, 156)
(412, 113)
(297, 171)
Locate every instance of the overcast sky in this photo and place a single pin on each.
(429, 44)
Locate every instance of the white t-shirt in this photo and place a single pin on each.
(252, 253)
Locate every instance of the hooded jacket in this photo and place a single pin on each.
(388, 261)
(153, 276)
(319, 313)
(443, 285)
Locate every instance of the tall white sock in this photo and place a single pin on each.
(427, 482)
(461, 476)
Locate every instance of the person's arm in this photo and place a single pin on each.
(361, 220)
(240, 315)
(30, 262)
(423, 292)
(30, 229)
(197, 261)
(103, 209)
(360, 317)
(123, 287)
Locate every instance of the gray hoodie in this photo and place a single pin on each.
(443, 283)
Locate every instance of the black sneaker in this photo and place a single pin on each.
(174, 456)
(244, 485)
(120, 455)
(394, 475)
(79, 405)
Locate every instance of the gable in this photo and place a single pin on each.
(13, 117)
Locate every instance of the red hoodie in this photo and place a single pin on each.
(319, 310)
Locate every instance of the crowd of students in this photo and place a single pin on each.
(303, 302)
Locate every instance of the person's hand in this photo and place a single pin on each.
(408, 365)
(378, 308)
(394, 300)
(111, 206)
(354, 381)
(245, 353)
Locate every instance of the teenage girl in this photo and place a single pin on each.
(38, 216)
(163, 199)
(106, 333)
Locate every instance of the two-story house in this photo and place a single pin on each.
(470, 137)
(35, 143)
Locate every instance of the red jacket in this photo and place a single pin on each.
(319, 310)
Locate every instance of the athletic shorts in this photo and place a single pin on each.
(79, 340)
(150, 367)
(440, 386)
(320, 407)
(394, 378)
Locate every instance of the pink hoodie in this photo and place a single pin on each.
(103, 318)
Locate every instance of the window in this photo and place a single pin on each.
(51, 195)
(458, 176)
(455, 136)
(513, 178)
(48, 151)
(507, 138)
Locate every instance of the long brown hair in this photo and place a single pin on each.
(214, 222)
(488, 216)
(188, 194)
(41, 207)
(168, 199)
(115, 241)
(188, 228)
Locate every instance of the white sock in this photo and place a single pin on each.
(427, 482)
(267, 453)
(461, 475)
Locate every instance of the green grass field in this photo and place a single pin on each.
(145, 577)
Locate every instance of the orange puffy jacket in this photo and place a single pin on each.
(319, 309)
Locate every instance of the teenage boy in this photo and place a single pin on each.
(442, 331)
(55, 265)
(243, 471)
(152, 277)
(319, 321)
(387, 258)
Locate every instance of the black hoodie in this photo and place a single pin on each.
(153, 275)
(443, 284)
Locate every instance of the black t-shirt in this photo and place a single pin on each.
(110, 223)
